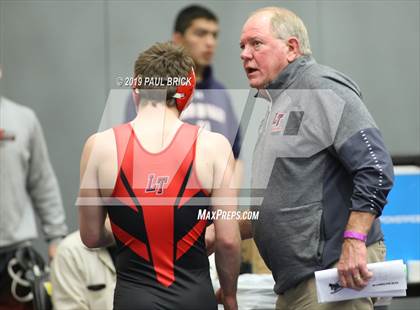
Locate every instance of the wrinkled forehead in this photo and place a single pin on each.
(257, 25)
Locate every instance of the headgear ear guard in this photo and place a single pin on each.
(184, 92)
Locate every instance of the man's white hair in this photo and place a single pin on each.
(286, 24)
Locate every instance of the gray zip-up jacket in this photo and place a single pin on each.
(319, 156)
(27, 181)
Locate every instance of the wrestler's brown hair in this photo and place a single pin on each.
(163, 60)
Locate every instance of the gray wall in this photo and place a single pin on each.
(61, 58)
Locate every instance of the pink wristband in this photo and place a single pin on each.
(355, 235)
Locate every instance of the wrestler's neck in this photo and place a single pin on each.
(157, 115)
(156, 126)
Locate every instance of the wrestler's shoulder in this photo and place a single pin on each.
(102, 139)
(213, 141)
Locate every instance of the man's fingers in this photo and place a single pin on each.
(346, 278)
(358, 281)
(343, 277)
(350, 281)
(342, 280)
(352, 278)
(365, 273)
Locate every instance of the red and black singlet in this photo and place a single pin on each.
(161, 259)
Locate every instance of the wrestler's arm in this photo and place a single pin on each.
(92, 213)
(227, 235)
(245, 228)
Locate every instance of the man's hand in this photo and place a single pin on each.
(352, 266)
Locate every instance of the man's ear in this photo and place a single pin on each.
(177, 38)
(294, 49)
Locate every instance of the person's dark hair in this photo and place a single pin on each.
(187, 15)
(162, 60)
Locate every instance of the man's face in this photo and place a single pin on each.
(263, 55)
(200, 40)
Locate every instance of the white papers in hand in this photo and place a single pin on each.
(389, 279)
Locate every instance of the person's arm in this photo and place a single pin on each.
(360, 148)
(93, 231)
(238, 174)
(245, 227)
(236, 143)
(68, 283)
(227, 235)
(43, 188)
(352, 267)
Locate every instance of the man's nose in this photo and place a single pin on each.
(211, 40)
(246, 54)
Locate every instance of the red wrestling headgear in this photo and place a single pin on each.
(184, 93)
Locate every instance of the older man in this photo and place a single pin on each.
(322, 165)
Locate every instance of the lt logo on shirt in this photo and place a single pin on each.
(156, 184)
(293, 123)
(275, 124)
